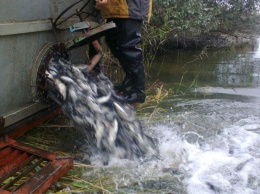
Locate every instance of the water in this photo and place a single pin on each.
(209, 132)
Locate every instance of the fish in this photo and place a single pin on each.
(99, 132)
(50, 75)
(80, 109)
(113, 132)
(93, 88)
(61, 88)
(90, 121)
(104, 99)
(121, 112)
(78, 121)
(72, 94)
(67, 80)
(85, 87)
(91, 104)
(52, 70)
(77, 73)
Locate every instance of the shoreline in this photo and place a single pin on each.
(217, 40)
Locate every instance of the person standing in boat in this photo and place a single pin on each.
(124, 42)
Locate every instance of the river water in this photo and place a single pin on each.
(208, 127)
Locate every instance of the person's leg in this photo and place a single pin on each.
(124, 46)
(129, 43)
(112, 41)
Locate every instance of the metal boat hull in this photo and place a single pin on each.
(25, 35)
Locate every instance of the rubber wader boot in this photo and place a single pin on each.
(126, 83)
(137, 92)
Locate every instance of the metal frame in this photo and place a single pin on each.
(19, 128)
(32, 170)
(9, 28)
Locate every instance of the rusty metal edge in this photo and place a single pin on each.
(18, 129)
(30, 149)
(41, 183)
(23, 112)
(4, 192)
(50, 174)
(2, 123)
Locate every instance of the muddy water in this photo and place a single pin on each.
(209, 129)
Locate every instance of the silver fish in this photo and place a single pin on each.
(93, 88)
(78, 74)
(104, 99)
(73, 94)
(92, 105)
(67, 80)
(49, 75)
(80, 108)
(121, 112)
(113, 132)
(90, 121)
(90, 101)
(61, 87)
(52, 69)
(99, 132)
(84, 86)
(77, 120)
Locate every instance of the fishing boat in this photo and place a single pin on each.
(30, 33)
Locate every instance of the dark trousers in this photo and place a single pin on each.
(124, 43)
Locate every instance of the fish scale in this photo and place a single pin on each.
(90, 101)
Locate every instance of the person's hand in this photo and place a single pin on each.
(100, 4)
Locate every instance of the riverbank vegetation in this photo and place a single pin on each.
(195, 24)
(192, 24)
(199, 25)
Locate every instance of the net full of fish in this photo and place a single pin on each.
(90, 102)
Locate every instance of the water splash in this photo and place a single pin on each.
(257, 54)
(230, 164)
(226, 163)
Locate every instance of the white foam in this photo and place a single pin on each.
(227, 164)
(229, 171)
